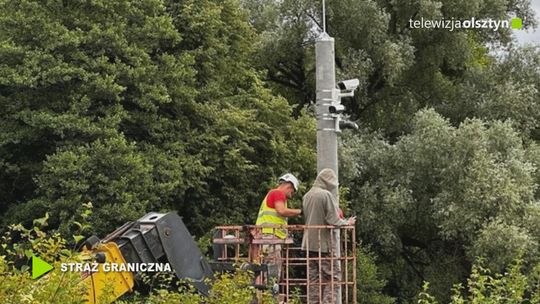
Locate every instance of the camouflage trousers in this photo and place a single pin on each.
(321, 276)
(272, 258)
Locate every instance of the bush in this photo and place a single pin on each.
(370, 283)
(483, 286)
(19, 244)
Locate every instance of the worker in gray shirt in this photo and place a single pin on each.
(319, 208)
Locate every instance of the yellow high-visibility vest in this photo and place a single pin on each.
(269, 216)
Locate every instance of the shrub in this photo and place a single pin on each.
(19, 244)
(513, 286)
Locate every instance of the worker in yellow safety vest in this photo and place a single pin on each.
(273, 213)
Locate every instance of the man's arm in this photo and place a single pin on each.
(332, 216)
(284, 211)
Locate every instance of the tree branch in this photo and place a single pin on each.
(314, 20)
(288, 83)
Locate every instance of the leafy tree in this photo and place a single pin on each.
(370, 282)
(441, 196)
(401, 69)
(138, 106)
(508, 88)
(484, 286)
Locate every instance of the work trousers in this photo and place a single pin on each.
(324, 279)
(272, 258)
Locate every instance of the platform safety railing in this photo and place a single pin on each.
(292, 268)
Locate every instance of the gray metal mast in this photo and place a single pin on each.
(327, 156)
(326, 97)
(328, 110)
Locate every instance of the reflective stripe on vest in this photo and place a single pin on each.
(269, 216)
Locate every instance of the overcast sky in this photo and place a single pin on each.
(531, 36)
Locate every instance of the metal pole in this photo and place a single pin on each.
(326, 95)
(323, 16)
(327, 123)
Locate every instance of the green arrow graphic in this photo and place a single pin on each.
(39, 267)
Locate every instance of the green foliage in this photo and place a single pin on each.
(63, 287)
(227, 289)
(369, 280)
(233, 289)
(17, 285)
(485, 287)
(110, 173)
(138, 106)
(401, 69)
(163, 296)
(424, 297)
(506, 89)
(440, 196)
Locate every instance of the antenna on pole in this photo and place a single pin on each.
(323, 16)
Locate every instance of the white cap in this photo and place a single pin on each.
(291, 179)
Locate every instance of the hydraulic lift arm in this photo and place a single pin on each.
(154, 238)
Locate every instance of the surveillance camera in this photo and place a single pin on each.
(336, 109)
(349, 84)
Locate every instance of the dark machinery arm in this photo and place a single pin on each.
(163, 237)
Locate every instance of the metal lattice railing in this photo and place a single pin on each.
(293, 270)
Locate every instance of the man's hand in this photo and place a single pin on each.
(351, 221)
